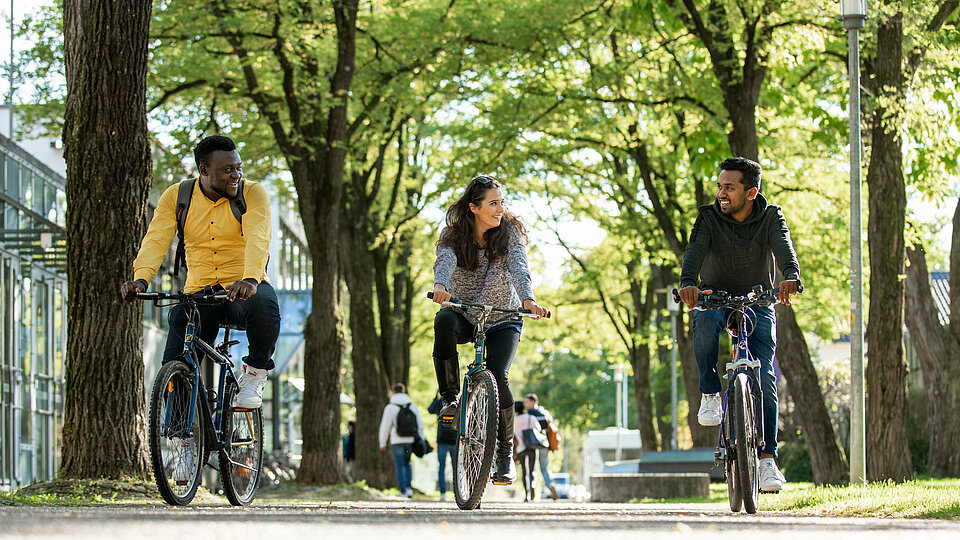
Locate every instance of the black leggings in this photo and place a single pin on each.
(451, 328)
(528, 463)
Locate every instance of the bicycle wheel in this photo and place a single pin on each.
(176, 452)
(475, 447)
(241, 460)
(745, 430)
(734, 492)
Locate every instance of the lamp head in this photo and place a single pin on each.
(854, 8)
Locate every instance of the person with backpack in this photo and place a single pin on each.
(401, 424)
(543, 416)
(446, 444)
(223, 222)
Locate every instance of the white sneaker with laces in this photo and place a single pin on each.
(251, 388)
(709, 414)
(771, 479)
(184, 468)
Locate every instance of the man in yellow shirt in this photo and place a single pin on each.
(223, 253)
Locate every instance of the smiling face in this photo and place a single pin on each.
(222, 173)
(735, 199)
(489, 212)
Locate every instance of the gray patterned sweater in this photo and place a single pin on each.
(504, 282)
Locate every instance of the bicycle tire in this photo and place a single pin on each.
(241, 459)
(747, 459)
(176, 460)
(734, 492)
(476, 445)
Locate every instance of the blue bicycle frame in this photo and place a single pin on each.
(743, 362)
(227, 380)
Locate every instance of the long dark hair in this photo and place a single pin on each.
(461, 223)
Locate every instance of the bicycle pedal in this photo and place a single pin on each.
(242, 409)
(496, 483)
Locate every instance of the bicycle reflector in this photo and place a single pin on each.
(169, 387)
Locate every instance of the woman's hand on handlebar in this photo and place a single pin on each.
(440, 294)
(690, 294)
(535, 308)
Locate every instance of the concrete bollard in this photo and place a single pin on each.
(627, 487)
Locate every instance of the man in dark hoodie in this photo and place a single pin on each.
(738, 242)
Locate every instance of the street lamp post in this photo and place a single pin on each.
(674, 309)
(853, 16)
(617, 380)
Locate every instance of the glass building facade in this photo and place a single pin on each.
(33, 318)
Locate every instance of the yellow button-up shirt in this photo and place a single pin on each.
(217, 251)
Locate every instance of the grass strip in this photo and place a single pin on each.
(929, 499)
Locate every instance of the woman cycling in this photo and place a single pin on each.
(481, 258)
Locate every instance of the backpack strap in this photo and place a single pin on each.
(238, 206)
(184, 193)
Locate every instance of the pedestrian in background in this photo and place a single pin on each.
(446, 445)
(532, 406)
(396, 425)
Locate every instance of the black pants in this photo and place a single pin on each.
(528, 464)
(259, 314)
(451, 328)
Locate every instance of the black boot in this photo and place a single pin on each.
(506, 471)
(448, 381)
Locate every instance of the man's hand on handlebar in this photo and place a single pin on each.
(129, 290)
(440, 294)
(535, 308)
(788, 288)
(690, 293)
(241, 289)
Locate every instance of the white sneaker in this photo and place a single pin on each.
(771, 479)
(443, 497)
(251, 388)
(409, 493)
(184, 467)
(709, 414)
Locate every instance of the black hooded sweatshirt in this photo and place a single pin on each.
(727, 255)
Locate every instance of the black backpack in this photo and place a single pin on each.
(407, 421)
(238, 205)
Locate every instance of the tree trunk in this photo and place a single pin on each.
(107, 150)
(886, 373)
(640, 361)
(937, 349)
(702, 437)
(320, 211)
(826, 454)
(370, 381)
(639, 352)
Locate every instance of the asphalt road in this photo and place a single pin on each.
(496, 520)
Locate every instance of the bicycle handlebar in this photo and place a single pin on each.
(455, 302)
(723, 299)
(157, 297)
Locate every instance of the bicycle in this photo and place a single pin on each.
(479, 412)
(188, 422)
(741, 434)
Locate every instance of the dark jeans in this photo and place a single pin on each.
(451, 328)
(707, 326)
(401, 464)
(259, 315)
(443, 452)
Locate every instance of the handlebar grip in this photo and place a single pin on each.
(430, 295)
(676, 296)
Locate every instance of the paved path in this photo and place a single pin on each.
(393, 520)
